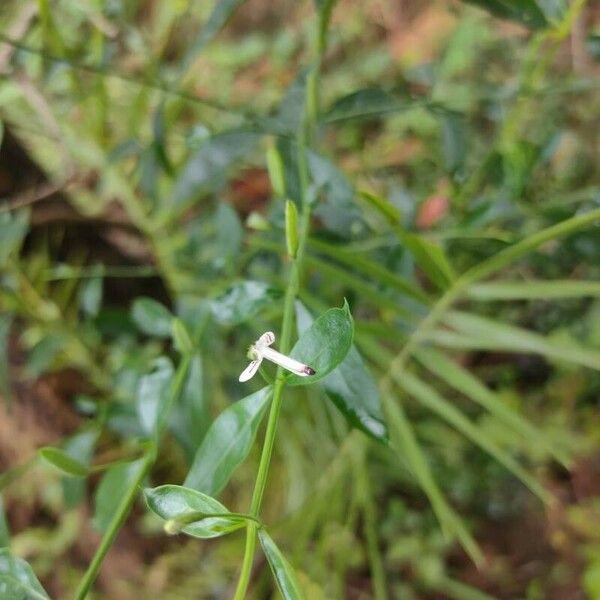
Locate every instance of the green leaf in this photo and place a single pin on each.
(63, 462)
(227, 443)
(288, 151)
(281, 568)
(230, 234)
(181, 337)
(324, 345)
(337, 210)
(80, 447)
(383, 206)
(276, 171)
(113, 486)
(527, 12)
(351, 388)
(207, 169)
(454, 140)
(291, 228)
(189, 420)
(4, 529)
(13, 227)
(369, 103)
(152, 317)
(242, 301)
(5, 325)
(430, 257)
(407, 447)
(592, 44)
(152, 394)
(445, 410)
(492, 334)
(90, 296)
(17, 579)
(44, 353)
(286, 120)
(370, 268)
(533, 290)
(174, 502)
(222, 11)
(462, 380)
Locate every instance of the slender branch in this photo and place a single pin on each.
(115, 526)
(130, 496)
(267, 452)
(305, 132)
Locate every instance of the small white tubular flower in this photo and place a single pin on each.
(260, 349)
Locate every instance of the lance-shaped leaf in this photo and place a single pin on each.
(488, 333)
(113, 486)
(5, 325)
(324, 345)
(430, 257)
(17, 579)
(462, 380)
(81, 448)
(63, 462)
(221, 13)
(152, 317)
(532, 13)
(207, 169)
(444, 409)
(189, 420)
(282, 570)
(13, 227)
(351, 387)
(227, 443)
(174, 503)
(370, 103)
(153, 393)
(242, 301)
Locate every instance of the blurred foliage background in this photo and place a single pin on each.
(133, 167)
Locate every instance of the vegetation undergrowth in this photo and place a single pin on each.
(401, 211)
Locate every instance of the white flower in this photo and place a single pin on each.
(260, 349)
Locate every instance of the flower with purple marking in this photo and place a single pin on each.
(261, 349)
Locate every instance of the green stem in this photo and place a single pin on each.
(305, 133)
(267, 451)
(128, 499)
(115, 526)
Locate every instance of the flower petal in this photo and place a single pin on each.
(250, 370)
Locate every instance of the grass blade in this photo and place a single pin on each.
(469, 385)
(434, 402)
(515, 339)
(372, 268)
(404, 440)
(533, 290)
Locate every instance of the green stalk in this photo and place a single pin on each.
(305, 134)
(115, 526)
(267, 451)
(128, 499)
